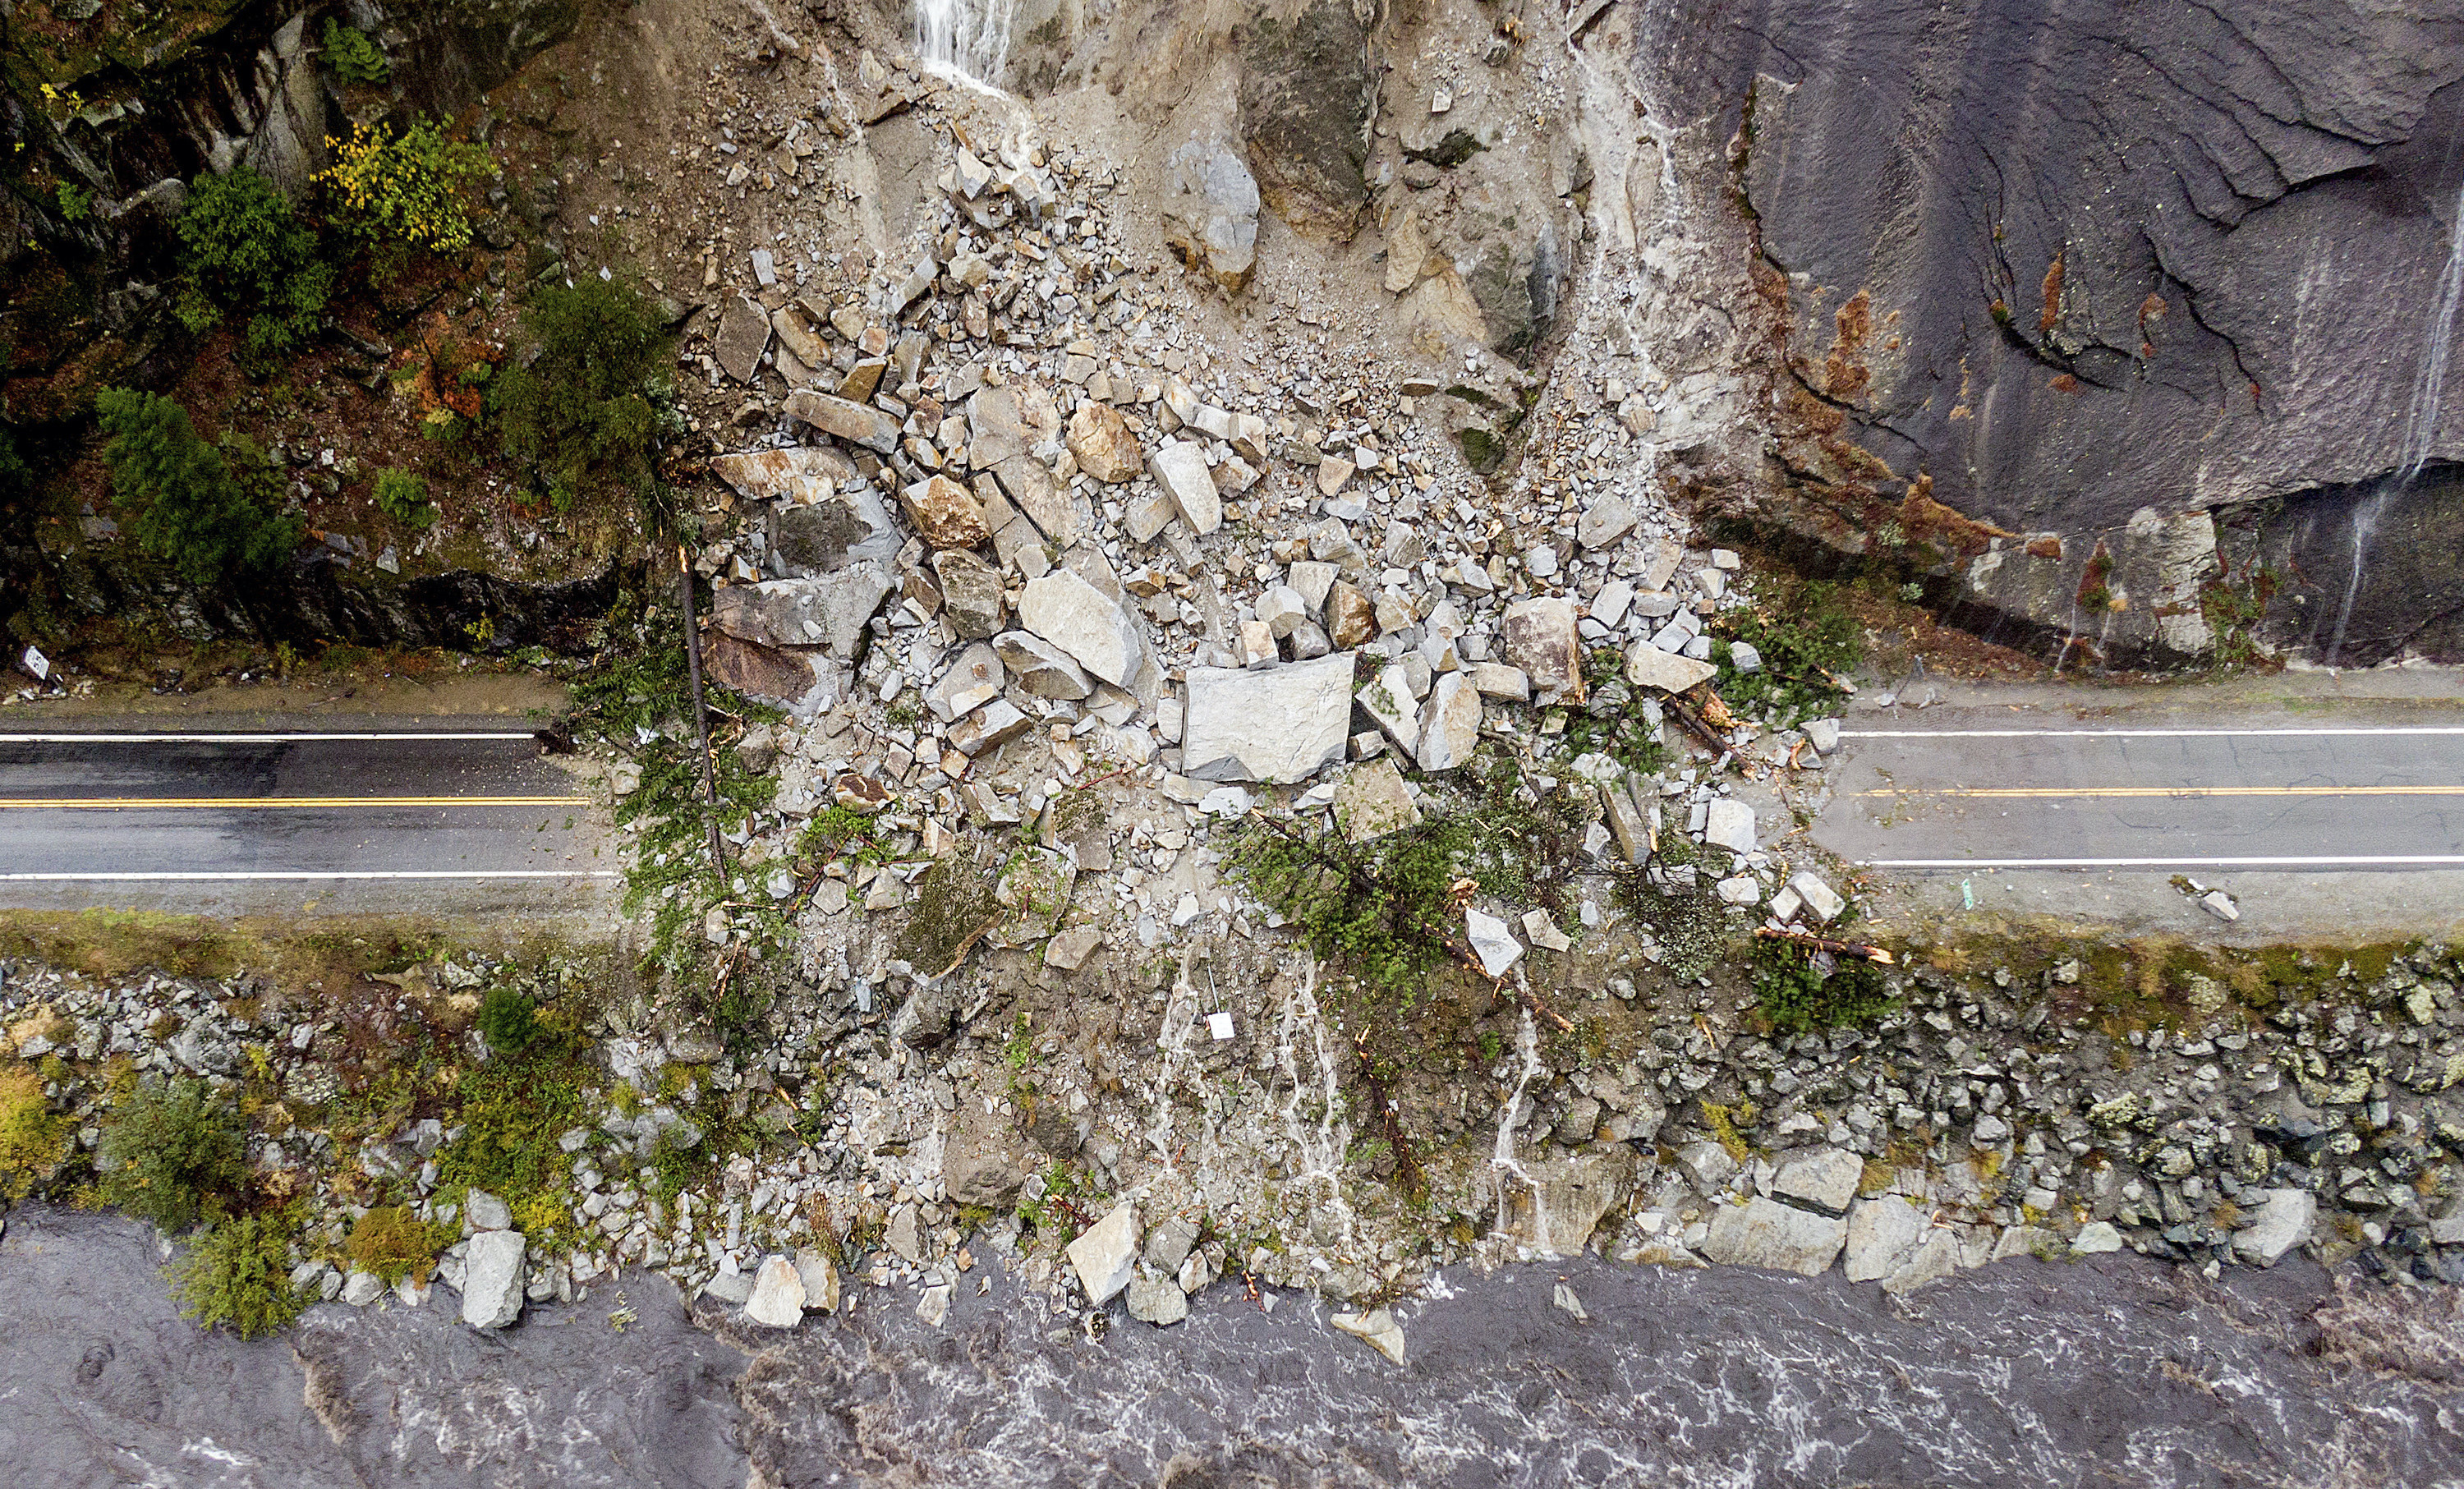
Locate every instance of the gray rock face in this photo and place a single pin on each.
(1646, 666)
(2109, 257)
(825, 537)
(1085, 623)
(1825, 1179)
(1180, 469)
(830, 611)
(1279, 724)
(743, 335)
(2279, 1225)
(1306, 87)
(1561, 1207)
(778, 1299)
(486, 1212)
(492, 1280)
(971, 593)
(1041, 668)
(1210, 214)
(1158, 1301)
(1107, 1255)
(1730, 825)
(859, 424)
(1882, 1235)
(1449, 724)
(1764, 1233)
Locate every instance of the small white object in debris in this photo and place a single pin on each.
(1225, 802)
(36, 664)
(1490, 941)
(2221, 905)
(1220, 1025)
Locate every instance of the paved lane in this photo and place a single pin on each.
(84, 817)
(1959, 791)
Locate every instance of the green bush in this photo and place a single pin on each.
(175, 1152)
(1376, 910)
(238, 1273)
(353, 56)
(184, 503)
(1795, 995)
(586, 410)
(243, 250)
(1806, 642)
(510, 1024)
(512, 1113)
(33, 1141)
(403, 496)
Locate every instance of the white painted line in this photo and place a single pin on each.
(238, 738)
(2423, 860)
(2127, 733)
(284, 874)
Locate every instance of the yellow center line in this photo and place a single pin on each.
(2169, 792)
(178, 804)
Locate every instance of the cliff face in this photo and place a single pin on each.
(2077, 272)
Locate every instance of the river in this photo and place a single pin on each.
(2114, 1370)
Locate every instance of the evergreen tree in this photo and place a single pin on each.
(182, 502)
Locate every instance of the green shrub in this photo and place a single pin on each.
(353, 56)
(509, 1023)
(393, 1243)
(1806, 642)
(410, 188)
(1796, 993)
(184, 503)
(1376, 910)
(677, 1162)
(76, 201)
(401, 495)
(586, 410)
(175, 1152)
(243, 250)
(512, 1114)
(33, 1141)
(238, 1273)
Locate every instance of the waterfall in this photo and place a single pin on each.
(968, 39)
(2420, 421)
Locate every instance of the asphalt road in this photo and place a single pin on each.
(1949, 789)
(381, 818)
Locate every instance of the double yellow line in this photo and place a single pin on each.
(189, 803)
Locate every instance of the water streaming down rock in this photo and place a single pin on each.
(965, 39)
(2420, 423)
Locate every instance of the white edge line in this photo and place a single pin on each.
(2121, 733)
(213, 877)
(235, 739)
(2448, 860)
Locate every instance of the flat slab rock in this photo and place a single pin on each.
(1278, 724)
(1764, 1233)
(1107, 1255)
